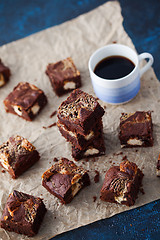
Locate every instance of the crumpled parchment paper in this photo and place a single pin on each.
(27, 59)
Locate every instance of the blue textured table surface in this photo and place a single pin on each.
(20, 18)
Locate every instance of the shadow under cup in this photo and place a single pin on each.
(119, 90)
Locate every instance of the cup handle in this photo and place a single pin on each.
(148, 64)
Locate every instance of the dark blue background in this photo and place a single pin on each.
(20, 18)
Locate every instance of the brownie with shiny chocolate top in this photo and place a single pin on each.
(4, 74)
(63, 76)
(94, 149)
(23, 214)
(26, 101)
(136, 129)
(122, 184)
(78, 140)
(80, 112)
(64, 180)
(158, 167)
(17, 155)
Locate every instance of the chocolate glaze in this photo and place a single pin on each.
(126, 179)
(61, 179)
(138, 126)
(25, 96)
(63, 72)
(23, 214)
(5, 71)
(19, 154)
(80, 112)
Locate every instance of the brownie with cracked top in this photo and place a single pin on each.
(23, 214)
(158, 167)
(80, 112)
(26, 101)
(94, 149)
(17, 155)
(122, 184)
(4, 74)
(136, 129)
(81, 141)
(63, 76)
(64, 180)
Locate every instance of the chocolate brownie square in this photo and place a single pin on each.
(17, 155)
(63, 76)
(95, 149)
(80, 112)
(136, 129)
(158, 166)
(23, 214)
(4, 74)
(26, 101)
(122, 184)
(78, 140)
(64, 180)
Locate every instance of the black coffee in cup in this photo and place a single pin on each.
(114, 67)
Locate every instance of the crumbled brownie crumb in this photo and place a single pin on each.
(116, 154)
(96, 177)
(94, 198)
(142, 190)
(136, 150)
(124, 158)
(120, 153)
(52, 125)
(53, 114)
(55, 160)
(105, 107)
(3, 171)
(86, 159)
(114, 42)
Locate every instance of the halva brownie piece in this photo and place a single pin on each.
(17, 155)
(95, 149)
(80, 112)
(26, 101)
(158, 166)
(78, 140)
(122, 184)
(64, 180)
(136, 129)
(23, 214)
(63, 76)
(4, 74)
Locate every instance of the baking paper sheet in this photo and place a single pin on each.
(27, 59)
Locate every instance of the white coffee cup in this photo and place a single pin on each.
(123, 89)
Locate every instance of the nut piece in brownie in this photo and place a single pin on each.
(17, 155)
(158, 166)
(78, 140)
(26, 101)
(80, 112)
(136, 129)
(64, 180)
(63, 76)
(122, 184)
(23, 214)
(4, 74)
(96, 148)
